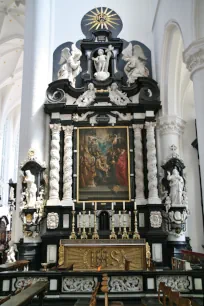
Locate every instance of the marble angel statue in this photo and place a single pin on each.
(70, 64)
(176, 187)
(31, 189)
(135, 66)
(88, 96)
(11, 252)
(101, 63)
(116, 96)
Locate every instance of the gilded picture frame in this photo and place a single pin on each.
(103, 164)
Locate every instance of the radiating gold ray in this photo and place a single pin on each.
(97, 10)
(98, 26)
(112, 15)
(102, 25)
(109, 12)
(94, 25)
(115, 18)
(105, 11)
(106, 26)
(94, 13)
(91, 22)
(101, 10)
(110, 24)
(92, 16)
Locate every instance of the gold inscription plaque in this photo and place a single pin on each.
(89, 258)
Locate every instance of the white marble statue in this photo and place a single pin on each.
(176, 187)
(101, 63)
(135, 67)
(70, 64)
(31, 189)
(11, 252)
(88, 96)
(116, 96)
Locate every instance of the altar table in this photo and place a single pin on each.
(104, 255)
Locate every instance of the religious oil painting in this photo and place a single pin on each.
(103, 159)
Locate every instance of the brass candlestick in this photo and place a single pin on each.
(119, 231)
(79, 232)
(84, 235)
(89, 233)
(73, 234)
(125, 234)
(113, 234)
(95, 233)
(136, 234)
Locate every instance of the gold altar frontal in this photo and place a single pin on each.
(89, 255)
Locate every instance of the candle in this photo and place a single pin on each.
(73, 206)
(123, 205)
(95, 206)
(112, 206)
(89, 213)
(83, 205)
(119, 212)
(80, 213)
(135, 205)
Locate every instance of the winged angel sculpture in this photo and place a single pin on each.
(70, 64)
(135, 66)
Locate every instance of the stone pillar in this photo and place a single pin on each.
(67, 166)
(36, 76)
(152, 164)
(139, 174)
(194, 59)
(170, 130)
(54, 165)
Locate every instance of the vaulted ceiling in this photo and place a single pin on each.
(12, 15)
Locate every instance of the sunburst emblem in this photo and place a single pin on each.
(102, 18)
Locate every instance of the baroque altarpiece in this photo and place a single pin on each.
(103, 200)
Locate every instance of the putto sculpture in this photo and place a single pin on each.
(135, 67)
(11, 252)
(70, 64)
(116, 96)
(88, 96)
(101, 63)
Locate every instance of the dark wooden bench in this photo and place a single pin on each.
(19, 264)
(26, 296)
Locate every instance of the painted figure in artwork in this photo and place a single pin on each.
(135, 67)
(176, 184)
(70, 64)
(103, 169)
(31, 189)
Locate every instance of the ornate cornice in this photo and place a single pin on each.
(193, 56)
(170, 125)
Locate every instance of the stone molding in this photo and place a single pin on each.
(171, 125)
(193, 56)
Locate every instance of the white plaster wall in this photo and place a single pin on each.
(135, 14)
(195, 221)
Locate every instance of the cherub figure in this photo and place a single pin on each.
(88, 96)
(135, 67)
(116, 96)
(11, 252)
(70, 64)
(100, 61)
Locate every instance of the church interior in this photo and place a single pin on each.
(101, 152)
